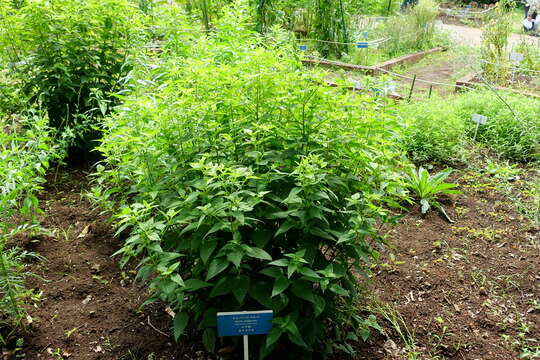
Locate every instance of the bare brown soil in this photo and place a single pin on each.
(466, 289)
(89, 308)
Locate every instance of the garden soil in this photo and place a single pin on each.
(459, 288)
(90, 309)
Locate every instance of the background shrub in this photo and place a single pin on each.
(251, 186)
(434, 132)
(438, 130)
(26, 149)
(69, 55)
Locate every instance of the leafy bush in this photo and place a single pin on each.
(245, 184)
(495, 65)
(434, 132)
(414, 30)
(513, 134)
(25, 151)
(439, 129)
(69, 55)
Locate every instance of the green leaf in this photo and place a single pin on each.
(195, 284)
(224, 286)
(321, 233)
(273, 272)
(280, 262)
(235, 257)
(260, 291)
(291, 269)
(209, 318)
(216, 266)
(303, 290)
(241, 287)
(308, 272)
(318, 305)
(293, 197)
(258, 254)
(294, 335)
(280, 285)
(335, 288)
(217, 227)
(178, 279)
(364, 333)
(207, 248)
(209, 339)
(286, 226)
(180, 322)
(273, 336)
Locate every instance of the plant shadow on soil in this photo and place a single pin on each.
(460, 288)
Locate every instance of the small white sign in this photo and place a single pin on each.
(479, 119)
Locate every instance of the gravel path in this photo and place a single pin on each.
(473, 36)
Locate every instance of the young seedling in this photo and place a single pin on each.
(427, 188)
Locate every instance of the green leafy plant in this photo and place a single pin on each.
(440, 130)
(251, 186)
(426, 188)
(25, 151)
(69, 57)
(495, 65)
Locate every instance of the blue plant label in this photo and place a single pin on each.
(376, 91)
(303, 47)
(479, 119)
(244, 323)
(362, 45)
(364, 34)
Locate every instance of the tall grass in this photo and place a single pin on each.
(414, 30)
(495, 64)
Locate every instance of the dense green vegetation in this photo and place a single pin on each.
(68, 57)
(439, 130)
(272, 181)
(238, 179)
(26, 149)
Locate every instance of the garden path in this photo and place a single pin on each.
(471, 36)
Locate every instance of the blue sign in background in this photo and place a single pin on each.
(244, 323)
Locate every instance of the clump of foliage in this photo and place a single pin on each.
(69, 55)
(246, 184)
(531, 58)
(414, 30)
(25, 151)
(426, 188)
(434, 132)
(440, 129)
(378, 7)
(495, 63)
(330, 25)
(400, 34)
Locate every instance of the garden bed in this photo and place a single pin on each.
(439, 274)
(387, 65)
(475, 80)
